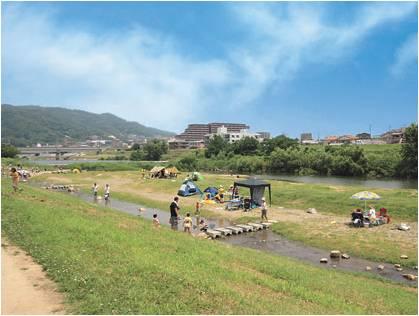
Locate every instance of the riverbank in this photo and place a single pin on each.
(106, 262)
(327, 228)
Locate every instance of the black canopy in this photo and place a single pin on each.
(253, 184)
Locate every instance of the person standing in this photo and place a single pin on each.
(187, 223)
(107, 193)
(15, 178)
(197, 212)
(264, 210)
(156, 222)
(95, 188)
(174, 213)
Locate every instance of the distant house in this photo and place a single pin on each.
(346, 139)
(307, 139)
(330, 139)
(394, 136)
(363, 136)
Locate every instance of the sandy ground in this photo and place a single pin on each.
(25, 288)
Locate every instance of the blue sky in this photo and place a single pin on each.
(326, 68)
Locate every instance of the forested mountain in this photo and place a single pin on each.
(28, 125)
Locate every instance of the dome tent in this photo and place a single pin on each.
(188, 188)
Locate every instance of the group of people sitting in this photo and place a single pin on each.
(369, 218)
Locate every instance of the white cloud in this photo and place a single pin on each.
(406, 56)
(141, 75)
(286, 40)
(138, 75)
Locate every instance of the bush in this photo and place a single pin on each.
(8, 151)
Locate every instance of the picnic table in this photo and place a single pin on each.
(234, 204)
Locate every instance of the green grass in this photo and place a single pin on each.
(375, 244)
(400, 203)
(112, 263)
(362, 243)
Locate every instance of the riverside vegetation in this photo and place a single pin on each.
(284, 155)
(107, 262)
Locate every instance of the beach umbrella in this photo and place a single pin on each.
(365, 196)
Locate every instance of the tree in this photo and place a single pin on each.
(246, 146)
(215, 145)
(135, 146)
(8, 151)
(137, 155)
(281, 141)
(155, 149)
(409, 153)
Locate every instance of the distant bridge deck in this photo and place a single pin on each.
(55, 150)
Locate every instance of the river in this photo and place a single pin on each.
(331, 180)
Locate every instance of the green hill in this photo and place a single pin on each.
(28, 125)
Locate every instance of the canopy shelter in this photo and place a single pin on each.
(257, 189)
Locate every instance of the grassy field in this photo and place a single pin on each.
(375, 244)
(401, 203)
(111, 263)
(333, 204)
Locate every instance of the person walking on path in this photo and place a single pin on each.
(15, 178)
(174, 213)
(264, 210)
(187, 223)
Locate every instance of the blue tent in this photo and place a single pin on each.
(188, 188)
(212, 191)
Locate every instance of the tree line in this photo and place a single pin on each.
(285, 155)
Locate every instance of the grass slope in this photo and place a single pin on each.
(111, 263)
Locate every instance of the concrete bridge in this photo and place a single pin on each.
(58, 151)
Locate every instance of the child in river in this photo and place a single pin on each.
(187, 223)
(156, 221)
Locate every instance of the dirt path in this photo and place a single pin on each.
(25, 288)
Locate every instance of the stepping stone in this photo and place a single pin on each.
(397, 266)
(213, 233)
(335, 254)
(246, 228)
(380, 267)
(410, 277)
(404, 257)
(399, 269)
(272, 221)
(266, 225)
(224, 231)
(324, 260)
(256, 226)
(345, 256)
(236, 230)
(368, 268)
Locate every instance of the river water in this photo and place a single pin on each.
(264, 240)
(331, 180)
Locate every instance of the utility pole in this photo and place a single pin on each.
(370, 131)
